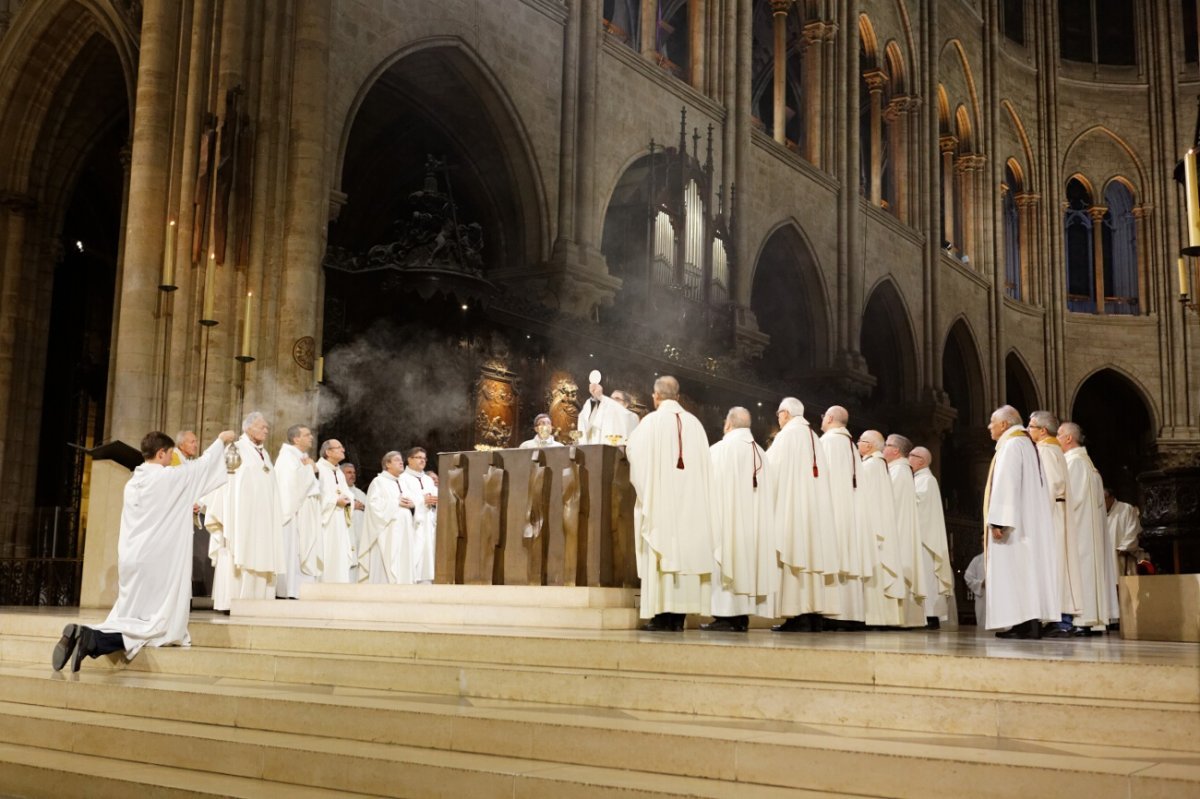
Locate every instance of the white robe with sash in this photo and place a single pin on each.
(1066, 550)
(807, 545)
(854, 548)
(154, 550)
(1089, 519)
(414, 486)
(300, 499)
(1020, 583)
(246, 525)
(670, 468)
(604, 417)
(358, 521)
(884, 589)
(335, 523)
(385, 553)
(1124, 534)
(908, 535)
(743, 508)
(935, 548)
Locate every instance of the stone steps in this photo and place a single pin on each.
(441, 613)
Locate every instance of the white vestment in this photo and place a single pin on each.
(1089, 519)
(414, 486)
(884, 589)
(336, 522)
(742, 503)
(854, 546)
(246, 526)
(599, 419)
(807, 544)
(537, 442)
(1020, 584)
(358, 520)
(1124, 533)
(935, 548)
(154, 550)
(670, 468)
(908, 536)
(973, 577)
(1066, 551)
(385, 553)
(300, 499)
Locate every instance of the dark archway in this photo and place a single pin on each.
(888, 347)
(962, 379)
(788, 299)
(1020, 391)
(1117, 427)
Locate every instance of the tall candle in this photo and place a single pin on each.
(210, 288)
(1191, 186)
(1183, 276)
(246, 324)
(168, 277)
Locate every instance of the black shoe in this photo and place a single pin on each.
(1083, 632)
(933, 623)
(65, 646)
(796, 624)
(727, 624)
(678, 622)
(1025, 630)
(660, 623)
(817, 622)
(1056, 632)
(85, 647)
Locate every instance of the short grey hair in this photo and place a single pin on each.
(1046, 420)
(540, 417)
(623, 398)
(922, 453)
(793, 406)
(738, 417)
(251, 419)
(902, 443)
(1007, 413)
(666, 387)
(1073, 430)
(388, 458)
(179, 436)
(326, 444)
(293, 432)
(348, 465)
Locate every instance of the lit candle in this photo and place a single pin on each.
(320, 370)
(210, 288)
(246, 324)
(1191, 187)
(169, 261)
(1183, 276)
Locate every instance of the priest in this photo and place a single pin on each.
(385, 550)
(602, 418)
(1088, 519)
(421, 489)
(742, 503)
(154, 555)
(1124, 534)
(807, 542)
(1019, 584)
(854, 554)
(358, 514)
(543, 434)
(670, 468)
(245, 523)
(936, 572)
(896, 450)
(300, 499)
(336, 508)
(884, 588)
(1043, 429)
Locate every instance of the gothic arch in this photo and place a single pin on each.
(1125, 377)
(954, 67)
(888, 343)
(962, 374)
(1023, 137)
(1119, 425)
(1100, 145)
(789, 299)
(1020, 389)
(481, 122)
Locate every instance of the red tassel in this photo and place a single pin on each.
(679, 430)
(813, 443)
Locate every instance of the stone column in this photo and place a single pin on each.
(696, 49)
(1027, 214)
(15, 211)
(876, 79)
(948, 145)
(1140, 212)
(134, 401)
(965, 168)
(307, 204)
(814, 34)
(1096, 212)
(779, 12)
(896, 116)
(590, 31)
(649, 28)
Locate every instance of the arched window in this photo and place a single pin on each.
(1081, 274)
(674, 37)
(1012, 233)
(1119, 236)
(1098, 31)
(622, 20)
(779, 46)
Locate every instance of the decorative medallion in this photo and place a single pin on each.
(303, 352)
